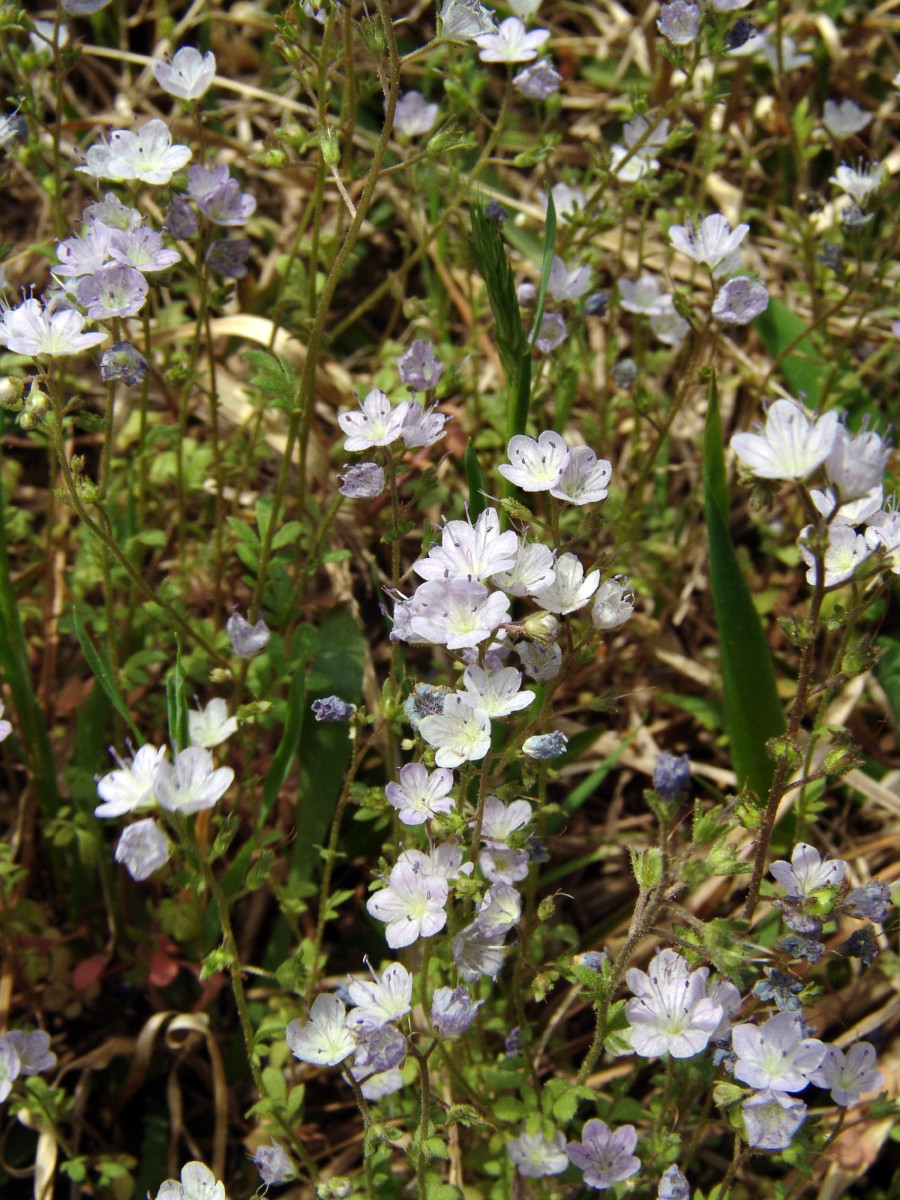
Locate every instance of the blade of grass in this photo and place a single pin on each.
(102, 671)
(752, 710)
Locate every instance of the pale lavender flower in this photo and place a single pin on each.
(412, 905)
(512, 43)
(771, 1119)
(112, 292)
(670, 327)
(229, 256)
(228, 205)
(325, 1039)
(381, 1049)
(570, 589)
(181, 220)
(499, 911)
(206, 181)
(274, 1165)
(536, 1155)
(613, 603)
(421, 426)
(739, 301)
(568, 283)
(212, 725)
(776, 1055)
(247, 640)
(465, 19)
(141, 248)
(132, 786)
(671, 1012)
(13, 129)
(845, 551)
(376, 424)
(673, 1185)
(143, 848)
(541, 662)
(544, 746)
(148, 155)
(861, 182)
(539, 81)
(333, 710)
(500, 864)
(728, 5)
(848, 1075)
(364, 481)
(806, 873)
(419, 367)
(526, 292)
(197, 1183)
(791, 446)
(452, 1011)
(444, 860)
(420, 794)
(553, 332)
(385, 998)
(5, 727)
(524, 9)
(605, 1157)
(711, 242)
(32, 1048)
(385, 1083)
(86, 254)
(10, 1067)
(871, 902)
(477, 953)
(192, 783)
(457, 613)
(679, 22)
(460, 734)
(844, 119)
(567, 200)
(124, 362)
(43, 332)
(584, 478)
(530, 573)
(413, 115)
(84, 8)
(188, 76)
(536, 464)
(500, 821)
(110, 211)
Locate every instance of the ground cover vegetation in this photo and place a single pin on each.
(449, 671)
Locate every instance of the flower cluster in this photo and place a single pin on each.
(794, 446)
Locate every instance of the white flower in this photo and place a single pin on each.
(421, 794)
(500, 821)
(536, 465)
(32, 329)
(512, 43)
(570, 589)
(636, 167)
(147, 155)
(712, 242)
(498, 693)
(567, 200)
(197, 1183)
(422, 427)
(211, 726)
(855, 466)
(387, 998)
(644, 296)
(884, 534)
(132, 786)
(771, 1119)
(584, 478)
(412, 905)
(325, 1039)
(10, 1067)
(846, 549)
(413, 116)
(531, 572)
(670, 327)
(5, 727)
(776, 1054)
(143, 848)
(470, 551)
(86, 254)
(860, 182)
(671, 1012)
(613, 603)
(462, 733)
(376, 424)
(33, 1048)
(41, 37)
(807, 873)
(845, 119)
(537, 1156)
(568, 283)
(189, 74)
(848, 1075)
(192, 783)
(791, 446)
(524, 9)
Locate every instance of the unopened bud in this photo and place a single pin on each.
(330, 146)
(540, 627)
(11, 390)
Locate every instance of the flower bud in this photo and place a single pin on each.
(330, 145)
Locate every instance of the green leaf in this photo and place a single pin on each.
(801, 365)
(280, 766)
(102, 672)
(274, 377)
(752, 710)
(546, 268)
